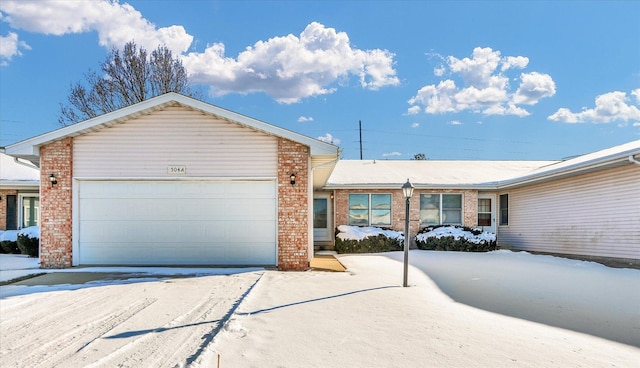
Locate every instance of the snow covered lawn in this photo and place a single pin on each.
(359, 318)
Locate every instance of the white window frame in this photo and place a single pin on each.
(370, 209)
(440, 209)
(21, 215)
(500, 223)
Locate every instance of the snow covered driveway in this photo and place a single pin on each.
(145, 324)
(359, 318)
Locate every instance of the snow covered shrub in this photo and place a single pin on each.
(455, 238)
(29, 241)
(355, 239)
(8, 242)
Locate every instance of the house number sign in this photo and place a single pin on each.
(177, 170)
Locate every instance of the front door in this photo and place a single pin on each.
(487, 212)
(322, 218)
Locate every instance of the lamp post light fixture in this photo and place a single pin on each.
(53, 180)
(407, 191)
(292, 178)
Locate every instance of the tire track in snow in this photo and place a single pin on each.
(65, 345)
(181, 340)
(208, 338)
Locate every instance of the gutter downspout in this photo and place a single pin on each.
(633, 160)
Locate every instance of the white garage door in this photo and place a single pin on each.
(177, 223)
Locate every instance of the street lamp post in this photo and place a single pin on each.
(407, 191)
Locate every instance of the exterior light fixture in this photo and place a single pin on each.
(292, 178)
(407, 191)
(53, 180)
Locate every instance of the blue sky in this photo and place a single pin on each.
(489, 80)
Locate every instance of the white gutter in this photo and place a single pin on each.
(30, 165)
(633, 160)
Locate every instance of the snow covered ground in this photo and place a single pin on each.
(359, 318)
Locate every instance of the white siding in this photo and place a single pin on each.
(146, 146)
(594, 214)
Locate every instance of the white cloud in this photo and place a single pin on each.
(415, 125)
(455, 122)
(287, 68)
(329, 139)
(391, 154)
(10, 46)
(304, 119)
(484, 87)
(115, 23)
(534, 87)
(413, 110)
(290, 68)
(612, 106)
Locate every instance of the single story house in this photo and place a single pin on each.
(176, 181)
(19, 193)
(587, 206)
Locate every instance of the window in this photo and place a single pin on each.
(440, 209)
(30, 211)
(504, 209)
(320, 213)
(484, 211)
(370, 209)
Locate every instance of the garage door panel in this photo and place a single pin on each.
(177, 223)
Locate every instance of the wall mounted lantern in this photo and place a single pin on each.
(53, 180)
(292, 178)
(407, 191)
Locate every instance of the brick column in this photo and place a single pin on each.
(293, 206)
(55, 204)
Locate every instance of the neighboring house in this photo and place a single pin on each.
(588, 206)
(175, 181)
(19, 193)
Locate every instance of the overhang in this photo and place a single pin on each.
(29, 149)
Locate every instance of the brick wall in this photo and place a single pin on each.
(398, 209)
(55, 204)
(3, 206)
(293, 206)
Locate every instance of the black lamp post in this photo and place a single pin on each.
(407, 191)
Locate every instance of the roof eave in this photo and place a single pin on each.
(29, 148)
(393, 186)
(617, 159)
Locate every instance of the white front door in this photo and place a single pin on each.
(322, 224)
(487, 212)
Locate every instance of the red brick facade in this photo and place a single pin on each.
(293, 206)
(55, 204)
(469, 211)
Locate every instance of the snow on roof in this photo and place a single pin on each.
(391, 174)
(426, 173)
(609, 156)
(16, 173)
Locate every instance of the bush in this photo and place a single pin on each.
(455, 238)
(372, 244)
(10, 247)
(28, 245)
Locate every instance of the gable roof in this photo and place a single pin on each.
(426, 174)
(489, 175)
(624, 154)
(30, 148)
